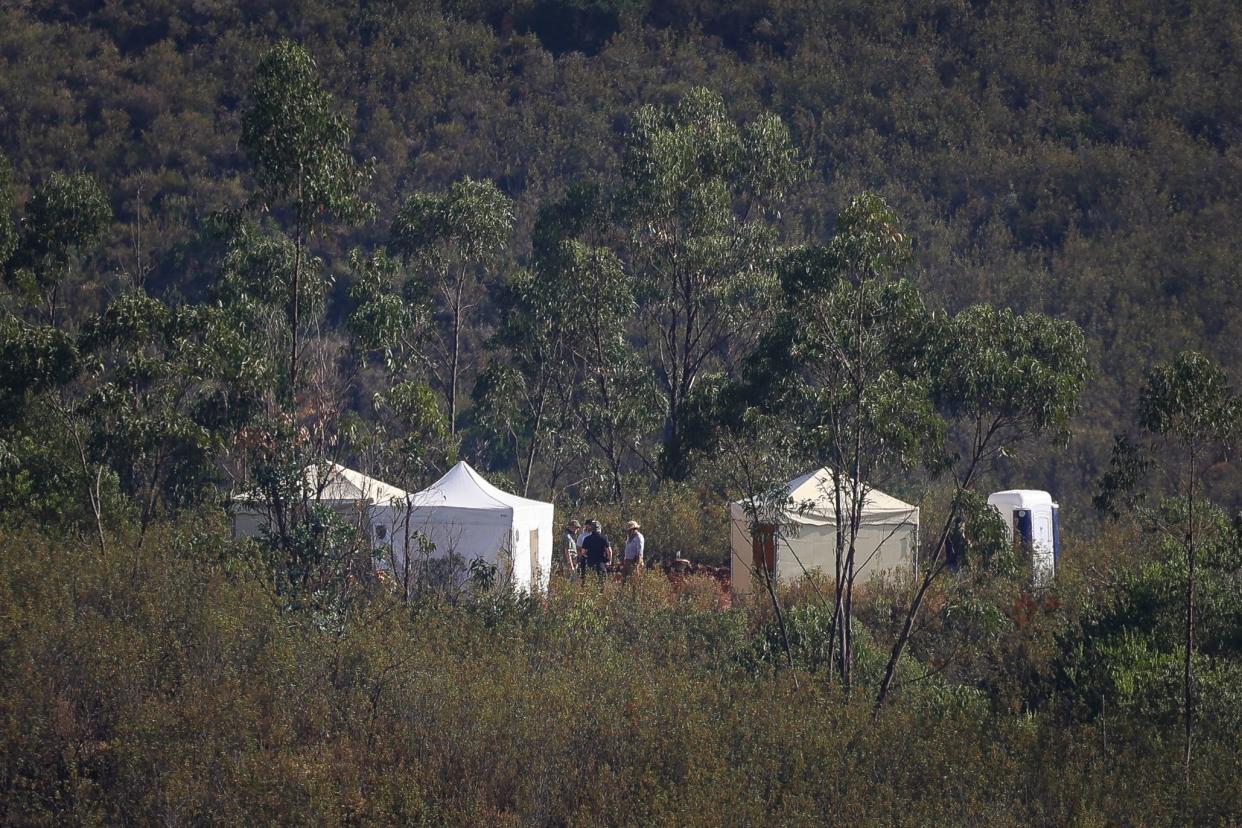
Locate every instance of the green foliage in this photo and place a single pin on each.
(1126, 658)
(387, 308)
(66, 217)
(869, 243)
(410, 434)
(1011, 376)
(1067, 175)
(404, 435)
(1120, 484)
(988, 545)
(696, 191)
(453, 236)
(164, 680)
(258, 266)
(298, 145)
(1087, 177)
(301, 157)
(35, 358)
(1189, 399)
(161, 399)
(468, 224)
(846, 362)
(8, 234)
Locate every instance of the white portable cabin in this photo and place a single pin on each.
(887, 539)
(1034, 518)
(462, 518)
(358, 499)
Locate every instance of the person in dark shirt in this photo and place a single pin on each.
(597, 551)
(955, 545)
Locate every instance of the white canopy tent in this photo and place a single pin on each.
(462, 518)
(887, 538)
(358, 499)
(439, 531)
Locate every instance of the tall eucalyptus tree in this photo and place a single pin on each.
(696, 213)
(1001, 379)
(305, 173)
(1189, 417)
(453, 236)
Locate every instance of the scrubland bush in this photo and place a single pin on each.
(174, 686)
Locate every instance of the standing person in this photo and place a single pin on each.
(598, 552)
(582, 561)
(635, 544)
(955, 545)
(569, 547)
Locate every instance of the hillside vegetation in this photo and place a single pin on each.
(1077, 159)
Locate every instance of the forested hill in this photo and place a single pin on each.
(1080, 159)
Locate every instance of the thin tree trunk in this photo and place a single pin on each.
(295, 307)
(533, 449)
(456, 357)
(780, 616)
(94, 491)
(855, 518)
(97, 507)
(148, 505)
(836, 639)
(933, 569)
(1188, 673)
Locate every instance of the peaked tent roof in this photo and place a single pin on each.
(347, 484)
(463, 487)
(341, 484)
(816, 487)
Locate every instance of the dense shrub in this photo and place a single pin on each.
(168, 683)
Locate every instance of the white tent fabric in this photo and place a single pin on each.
(348, 485)
(813, 499)
(462, 517)
(352, 494)
(887, 539)
(454, 521)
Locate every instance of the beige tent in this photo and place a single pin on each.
(887, 539)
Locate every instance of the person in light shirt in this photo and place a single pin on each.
(635, 544)
(569, 544)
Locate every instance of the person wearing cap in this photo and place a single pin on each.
(597, 551)
(635, 543)
(569, 547)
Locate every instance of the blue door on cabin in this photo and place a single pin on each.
(1056, 535)
(1022, 530)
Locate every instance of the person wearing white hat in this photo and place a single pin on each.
(635, 544)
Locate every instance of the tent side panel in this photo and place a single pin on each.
(544, 519)
(741, 550)
(882, 549)
(813, 549)
(461, 534)
(532, 551)
(250, 522)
